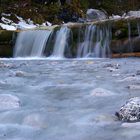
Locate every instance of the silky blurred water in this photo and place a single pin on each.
(68, 99)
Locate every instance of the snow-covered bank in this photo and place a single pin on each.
(21, 24)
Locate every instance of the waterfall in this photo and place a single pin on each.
(96, 42)
(138, 28)
(129, 37)
(61, 42)
(31, 43)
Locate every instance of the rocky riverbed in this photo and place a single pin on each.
(67, 99)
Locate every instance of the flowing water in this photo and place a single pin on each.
(61, 42)
(96, 42)
(138, 28)
(129, 37)
(67, 99)
(31, 43)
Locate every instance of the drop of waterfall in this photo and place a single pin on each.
(31, 43)
(61, 42)
(129, 37)
(138, 28)
(96, 42)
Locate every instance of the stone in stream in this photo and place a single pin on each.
(138, 72)
(19, 74)
(100, 92)
(134, 87)
(8, 102)
(130, 111)
(35, 120)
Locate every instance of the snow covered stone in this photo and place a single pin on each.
(7, 27)
(130, 111)
(133, 14)
(94, 14)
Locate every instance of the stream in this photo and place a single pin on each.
(67, 99)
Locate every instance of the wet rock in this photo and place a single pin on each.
(112, 67)
(94, 14)
(134, 87)
(130, 111)
(109, 65)
(130, 79)
(4, 65)
(19, 74)
(8, 101)
(138, 72)
(100, 92)
(35, 120)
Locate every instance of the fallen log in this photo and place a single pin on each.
(121, 55)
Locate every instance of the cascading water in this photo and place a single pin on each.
(129, 37)
(138, 28)
(61, 42)
(85, 48)
(96, 42)
(31, 43)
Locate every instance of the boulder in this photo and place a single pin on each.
(130, 111)
(94, 14)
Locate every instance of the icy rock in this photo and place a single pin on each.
(94, 14)
(133, 14)
(6, 20)
(35, 120)
(115, 17)
(48, 23)
(130, 111)
(8, 101)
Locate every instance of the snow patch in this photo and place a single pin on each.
(7, 27)
(23, 25)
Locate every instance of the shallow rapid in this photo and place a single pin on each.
(67, 99)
